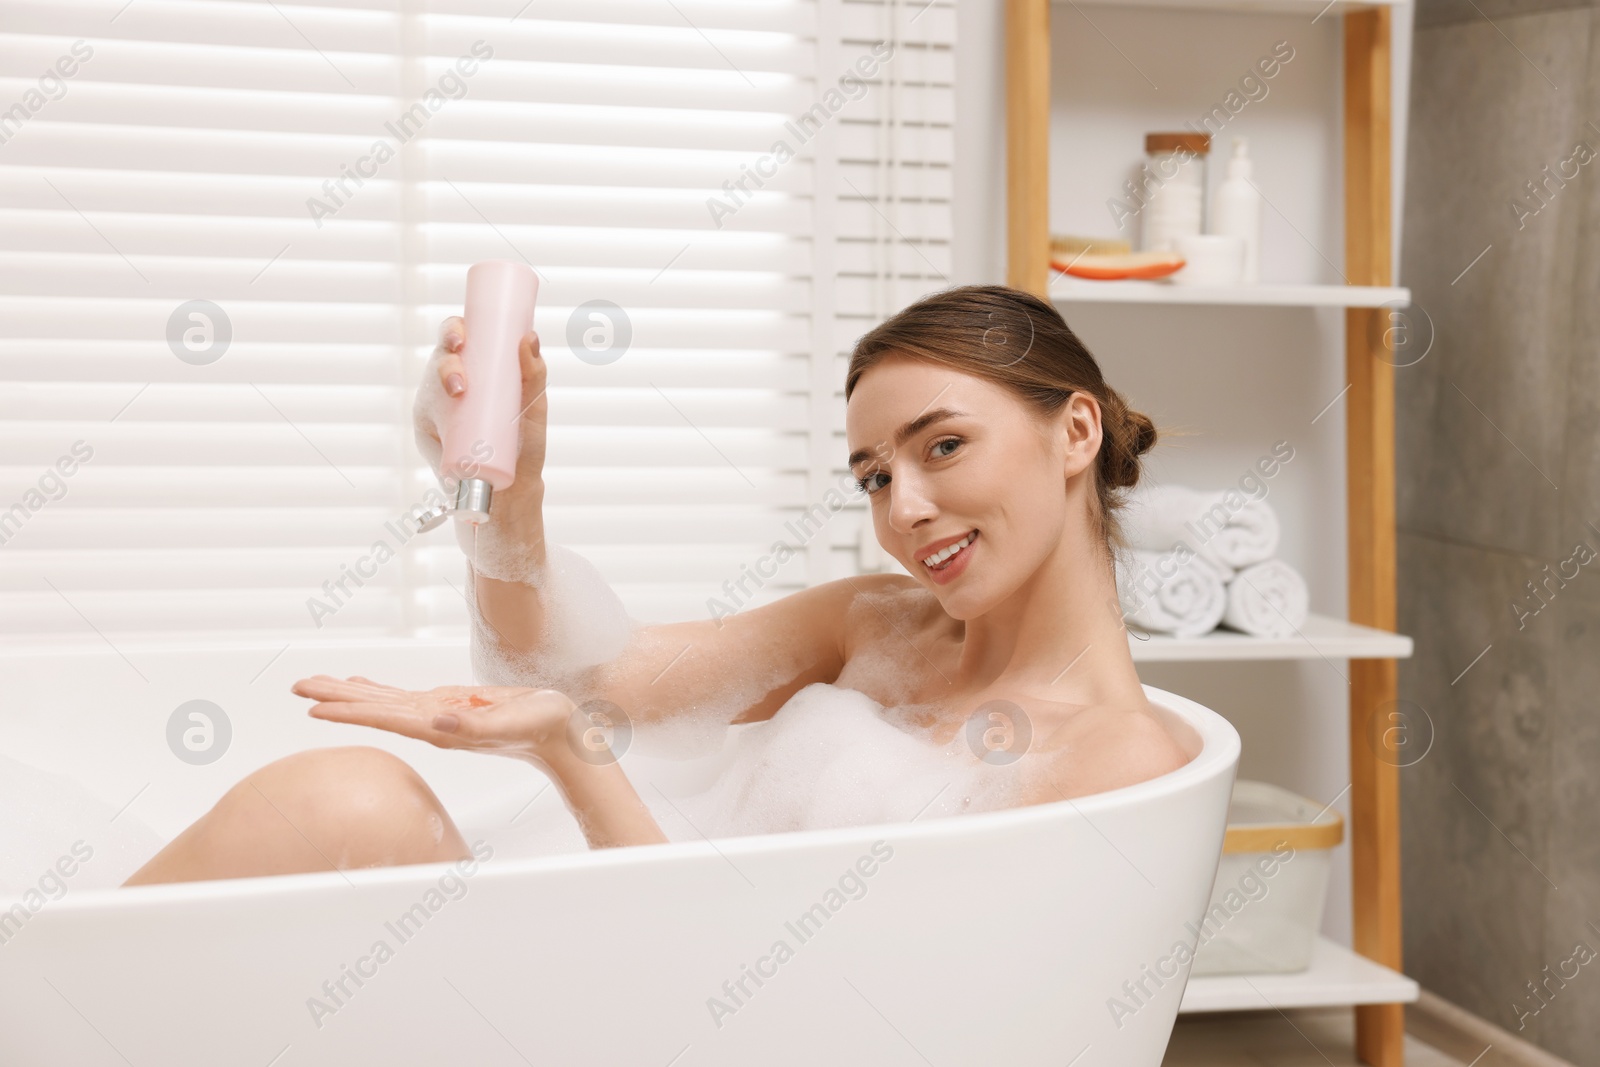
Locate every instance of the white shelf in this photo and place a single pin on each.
(1321, 637)
(1336, 976)
(1307, 7)
(1068, 290)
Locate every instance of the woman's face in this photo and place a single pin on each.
(950, 459)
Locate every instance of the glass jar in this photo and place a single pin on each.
(1176, 177)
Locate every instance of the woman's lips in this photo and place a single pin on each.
(944, 543)
(951, 568)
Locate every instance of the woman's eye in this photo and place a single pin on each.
(870, 484)
(939, 446)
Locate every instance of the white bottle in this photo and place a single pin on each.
(1176, 168)
(1236, 211)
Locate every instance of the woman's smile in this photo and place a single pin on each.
(945, 560)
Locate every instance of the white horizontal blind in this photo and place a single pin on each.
(892, 191)
(322, 174)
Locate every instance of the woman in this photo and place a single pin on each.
(992, 452)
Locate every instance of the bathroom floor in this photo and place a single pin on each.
(1296, 1037)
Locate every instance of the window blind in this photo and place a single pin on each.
(230, 231)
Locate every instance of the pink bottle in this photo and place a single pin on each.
(480, 430)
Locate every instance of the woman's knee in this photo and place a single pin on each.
(357, 806)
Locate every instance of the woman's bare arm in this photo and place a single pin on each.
(603, 800)
(741, 668)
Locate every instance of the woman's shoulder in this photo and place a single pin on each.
(895, 596)
(886, 585)
(897, 606)
(1105, 746)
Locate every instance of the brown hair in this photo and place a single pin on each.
(1017, 340)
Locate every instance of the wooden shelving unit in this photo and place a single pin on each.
(1369, 977)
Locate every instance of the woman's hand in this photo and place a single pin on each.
(511, 721)
(446, 377)
(541, 726)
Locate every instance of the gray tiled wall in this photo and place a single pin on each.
(1498, 432)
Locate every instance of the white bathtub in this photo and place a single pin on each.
(987, 939)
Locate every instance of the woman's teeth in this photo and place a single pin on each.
(941, 557)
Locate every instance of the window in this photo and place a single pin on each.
(231, 230)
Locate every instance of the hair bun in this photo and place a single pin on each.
(1128, 434)
(1144, 432)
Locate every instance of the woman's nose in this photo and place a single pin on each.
(909, 505)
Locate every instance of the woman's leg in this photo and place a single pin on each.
(319, 810)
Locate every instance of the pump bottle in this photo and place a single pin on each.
(1236, 211)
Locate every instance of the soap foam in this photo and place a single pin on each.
(830, 757)
(585, 623)
(495, 553)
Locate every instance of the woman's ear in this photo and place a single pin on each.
(1078, 423)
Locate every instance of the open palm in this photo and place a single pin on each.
(507, 720)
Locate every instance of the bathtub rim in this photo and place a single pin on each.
(1219, 754)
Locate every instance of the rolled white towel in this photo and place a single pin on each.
(1266, 599)
(1223, 525)
(1171, 592)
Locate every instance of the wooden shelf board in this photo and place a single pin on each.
(1336, 976)
(1064, 290)
(1321, 637)
(1247, 7)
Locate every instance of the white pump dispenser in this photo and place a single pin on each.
(1236, 211)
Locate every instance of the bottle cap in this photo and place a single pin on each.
(472, 503)
(1198, 143)
(472, 500)
(1239, 163)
